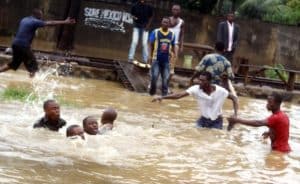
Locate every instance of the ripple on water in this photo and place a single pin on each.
(151, 143)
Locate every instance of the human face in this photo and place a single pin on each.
(176, 10)
(52, 111)
(271, 105)
(230, 17)
(91, 126)
(39, 14)
(77, 131)
(203, 82)
(165, 23)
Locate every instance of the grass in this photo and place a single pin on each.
(20, 94)
(25, 94)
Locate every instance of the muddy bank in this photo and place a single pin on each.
(178, 82)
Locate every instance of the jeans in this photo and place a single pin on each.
(157, 68)
(203, 122)
(137, 32)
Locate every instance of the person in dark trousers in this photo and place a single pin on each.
(161, 44)
(21, 45)
(51, 120)
(142, 15)
(210, 98)
(278, 124)
(228, 33)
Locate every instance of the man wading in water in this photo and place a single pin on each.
(210, 98)
(21, 45)
(278, 124)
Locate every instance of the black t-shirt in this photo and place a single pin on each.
(45, 123)
(143, 12)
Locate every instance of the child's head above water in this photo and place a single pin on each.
(109, 116)
(75, 130)
(90, 125)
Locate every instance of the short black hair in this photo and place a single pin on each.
(36, 11)
(166, 17)
(85, 120)
(207, 75)
(70, 128)
(176, 4)
(47, 102)
(278, 98)
(219, 46)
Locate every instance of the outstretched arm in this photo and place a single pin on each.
(60, 22)
(174, 96)
(254, 123)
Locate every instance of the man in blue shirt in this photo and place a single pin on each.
(21, 45)
(161, 43)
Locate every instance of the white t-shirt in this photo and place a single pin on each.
(230, 36)
(210, 106)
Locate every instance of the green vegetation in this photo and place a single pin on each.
(271, 74)
(25, 94)
(277, 11)
(20, 94)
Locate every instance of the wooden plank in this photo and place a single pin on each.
(269, 67)
(138, 77)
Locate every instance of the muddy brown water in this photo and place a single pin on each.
(151, 142)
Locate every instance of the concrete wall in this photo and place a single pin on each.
(104, 30)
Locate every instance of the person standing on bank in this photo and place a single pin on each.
(278, 124)
(177, 26)
(219, 67)
(21, 45)
(161, 44)
(210, 98)
(142, 15)
(228, 33)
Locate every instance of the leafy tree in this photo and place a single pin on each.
(279, 11)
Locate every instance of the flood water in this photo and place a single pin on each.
(151, 142)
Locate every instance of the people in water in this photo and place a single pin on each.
(210, 98)
(51, 119)
(75, 131)
(278, 124)
(107, 120)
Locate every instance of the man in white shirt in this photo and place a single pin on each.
(210, 98)
(228, 33)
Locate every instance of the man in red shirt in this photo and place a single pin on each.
(278, 124)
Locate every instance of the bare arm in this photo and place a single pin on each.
(193, 77)
(150, 51)
(254, 123)
(60, 22)
(149, 23)
(234, 103)
(181, 36)
(174, 96)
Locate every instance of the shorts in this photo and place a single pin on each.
(203, 122)
(23, 54)
(173, 60)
